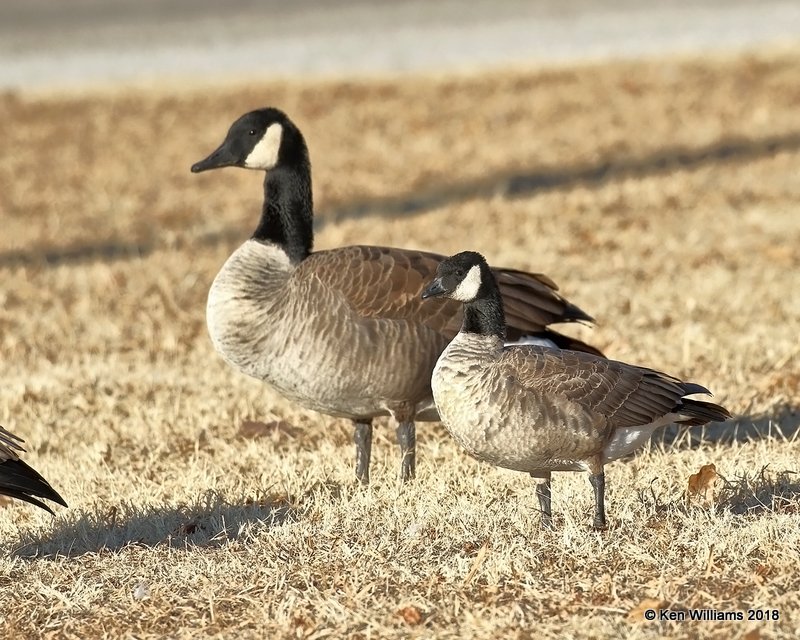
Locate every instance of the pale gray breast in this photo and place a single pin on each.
(464, 389)
(303, 338)
(243, 312)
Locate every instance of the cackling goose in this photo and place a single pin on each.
(539, 410)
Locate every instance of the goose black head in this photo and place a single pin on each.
(262, 139)
(464, 277)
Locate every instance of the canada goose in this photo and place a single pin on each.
(539, 410)
(17, 479)
(343, 331)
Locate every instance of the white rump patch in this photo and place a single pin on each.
(467, 290)
(627, 439)
(265, 154)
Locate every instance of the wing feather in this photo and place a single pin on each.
(384, 282)
(624, 395)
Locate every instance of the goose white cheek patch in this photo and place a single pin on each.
(467, 289)
(265, 154)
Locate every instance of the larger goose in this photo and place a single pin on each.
(343, 331)
(538, 410)
(18, 480)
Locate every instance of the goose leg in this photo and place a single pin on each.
(598, 481)
(407, 438)
(362, 436)
(543, 494)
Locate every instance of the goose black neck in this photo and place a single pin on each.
(485, 316)
(287, 218)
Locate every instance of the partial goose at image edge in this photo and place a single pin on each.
(18, 479)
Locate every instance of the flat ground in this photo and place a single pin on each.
(663, 196)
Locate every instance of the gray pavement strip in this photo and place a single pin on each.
(46, 43)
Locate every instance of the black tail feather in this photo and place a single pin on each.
(699, 412)
(19, 480)
(690, 388)
(573, 313)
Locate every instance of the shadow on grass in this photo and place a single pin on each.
(762, 492)
(524, 183)
(747, 493)
(759, 493)
(511, 184)
(210, 523)
(783, 424)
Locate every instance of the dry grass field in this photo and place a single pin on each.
(664, 198)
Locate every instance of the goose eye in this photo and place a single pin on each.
(252, 132)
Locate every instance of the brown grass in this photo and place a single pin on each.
(663, 196)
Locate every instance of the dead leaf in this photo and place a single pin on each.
(411, 615)
(753, 634)
(255, 429)
(5, 501)
(648, 604)
(702, 484)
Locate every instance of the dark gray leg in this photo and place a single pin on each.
(407, 438)
(598, 481)
(543, 494)
(362, 436)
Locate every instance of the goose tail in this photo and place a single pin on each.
(697, 412)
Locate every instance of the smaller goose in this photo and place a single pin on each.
(539, 410)
(18, 480)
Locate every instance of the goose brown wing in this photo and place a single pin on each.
(625, 395)
(380, 282)
(384, 282)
